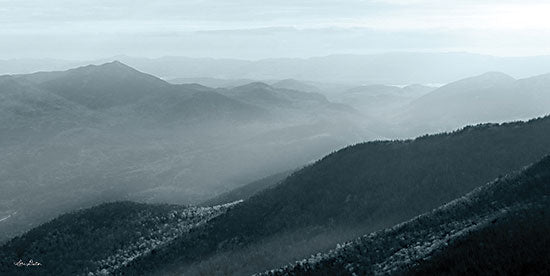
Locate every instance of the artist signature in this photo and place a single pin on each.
(20, 263)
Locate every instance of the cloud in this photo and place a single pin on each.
(247, 28)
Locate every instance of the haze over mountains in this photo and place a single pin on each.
(490, 97)
(391, 68)
(356, 190)
(101, 133)
(97, 133)
(241, 137)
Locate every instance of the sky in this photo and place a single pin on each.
(255, 29)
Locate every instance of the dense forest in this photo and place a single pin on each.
(368, 186)
(246, 191)
(498, 229)
(354, 191)
(99, 240)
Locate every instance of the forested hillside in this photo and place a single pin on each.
(367, 186)
(99, 240)
(498, 229)
(248, 190)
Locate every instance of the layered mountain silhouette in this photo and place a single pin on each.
(491, 97)
(262, 94)
(388, 68)
(104, 133)
(293, 84)
(76, 138)
(358, 189)
(382, 100)
(117, 86)
(497, 229)
(367, 187)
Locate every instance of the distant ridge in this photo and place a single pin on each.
(490, 97)
(388, 68)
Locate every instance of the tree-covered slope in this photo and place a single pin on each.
(370, 185)
(98, 240)
(498, 229)
(248, 190)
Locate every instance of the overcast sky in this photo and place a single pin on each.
(253, 29)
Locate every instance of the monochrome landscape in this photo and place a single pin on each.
(283, 138)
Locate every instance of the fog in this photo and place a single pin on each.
(72, 139)
(101, 133)
(253, 30)
(208, 101)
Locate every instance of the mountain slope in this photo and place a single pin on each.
(98, 240)
(34, 111)
(382, 101)
(293, 84)
(293, 106)
(491, 97)
(368, 186)
(248, 190)
(265, 95)
(498, 229)
(116, 85)
(73, 139)
(104, 86)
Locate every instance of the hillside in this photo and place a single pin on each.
(72, 139)
(130, 92)
(293, 84)
(382, 101)
(99, 240)
(498, 229)
(262, 94)
(102, 86)
(368, 186)
(491, 97)
(27, 110)
(248, 190)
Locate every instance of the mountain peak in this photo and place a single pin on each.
(115, 65)
(255, 85)
(111, 68)
(495, 75)
(486, 80)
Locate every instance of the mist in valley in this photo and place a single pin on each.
(280, 138)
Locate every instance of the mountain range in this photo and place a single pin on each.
(359, 189)
(491, 97)
(105, 133)
(396, 68)
(76, 138)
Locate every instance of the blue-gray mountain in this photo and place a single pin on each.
(76, 138)
(491, 97)
(360, 188)
(497, 229)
